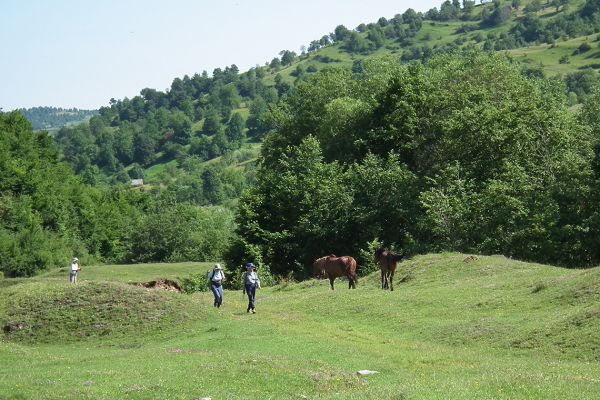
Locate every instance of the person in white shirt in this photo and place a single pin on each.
(217, 277)
(75, 267)
(251, 282)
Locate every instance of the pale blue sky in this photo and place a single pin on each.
(80, 53)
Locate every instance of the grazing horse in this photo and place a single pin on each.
(387, 261)
(335, 267)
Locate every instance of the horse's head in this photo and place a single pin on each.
(319, 267)
(379, 252)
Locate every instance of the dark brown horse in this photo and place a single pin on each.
(335, 267)
(387, 261)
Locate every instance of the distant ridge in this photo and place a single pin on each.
(54, 118)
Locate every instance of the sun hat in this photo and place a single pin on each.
(75, 259)
(249, 265)
(217, 266)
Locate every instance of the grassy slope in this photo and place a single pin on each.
(435, 34)
(491, 328)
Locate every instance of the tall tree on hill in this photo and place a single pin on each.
(355, 43)
(235, 130)
(448, 11)
(212, 123)
(287, 57)
(341, 33)
(275, 64)
(255, 123)
(143, 150)
(181, 126)
(468, 7)
(377, 37)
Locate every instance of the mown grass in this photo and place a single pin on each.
(489, 328)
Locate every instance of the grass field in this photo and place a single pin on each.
(454, 328)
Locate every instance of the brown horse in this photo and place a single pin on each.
(335, 267)
(387, 261)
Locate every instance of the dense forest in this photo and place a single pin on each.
(410, 132)
(54, 118)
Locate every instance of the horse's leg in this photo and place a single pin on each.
(331, 279)
(382, 275)
(387, 279)
(386, 284)
(350, 280)
(392, 280)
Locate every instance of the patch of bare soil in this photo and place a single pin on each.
(163, 284)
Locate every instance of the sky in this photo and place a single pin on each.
(82, 53)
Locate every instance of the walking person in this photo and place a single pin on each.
(217, 277)
(75, 267)
(251, 283)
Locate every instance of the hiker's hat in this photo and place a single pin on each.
(217, 266)
(249, 265)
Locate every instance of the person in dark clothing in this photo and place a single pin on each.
(217, 277)
(251, 282)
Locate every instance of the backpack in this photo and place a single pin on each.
(211, 274)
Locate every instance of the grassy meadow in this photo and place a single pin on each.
(455, 327)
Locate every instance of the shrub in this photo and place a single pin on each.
(583, 47)
(368, 264)
(195, 283)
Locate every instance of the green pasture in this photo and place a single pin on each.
(455, 327)
(549, 55)
(138, 273)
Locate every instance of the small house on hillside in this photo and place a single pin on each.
(137, 182)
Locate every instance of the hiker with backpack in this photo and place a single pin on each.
(251, 282)
(217, 277)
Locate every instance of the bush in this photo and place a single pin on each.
(367, 261)
(195, 283)
(583, 47)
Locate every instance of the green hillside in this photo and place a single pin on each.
(547, 37)
(469, 31)
(456, 327)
